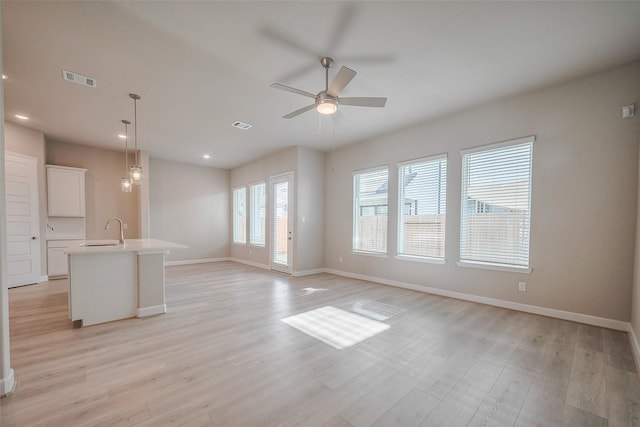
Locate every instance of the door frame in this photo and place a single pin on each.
(273, 180)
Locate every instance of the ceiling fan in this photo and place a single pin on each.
(327, 100)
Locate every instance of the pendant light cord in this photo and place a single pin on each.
(135, 128)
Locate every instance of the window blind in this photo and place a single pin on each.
(422, 188)
(240, 215)
(370, 207)
(496, 200)
(257, 218)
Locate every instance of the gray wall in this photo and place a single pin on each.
(584, 193)
(310, 210)
(635, 297)
(104, 199)
(19, 139)
(190, 205)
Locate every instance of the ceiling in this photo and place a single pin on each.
(200, 66)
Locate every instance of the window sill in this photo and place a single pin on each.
(421, 259)
(497, 267)
(255, 245)
(239, 243)
(372, 254)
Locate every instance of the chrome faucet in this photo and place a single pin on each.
(106, 227)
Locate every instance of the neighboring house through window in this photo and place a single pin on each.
(370, 207)
(257, 205)
(422, 188)
(240, 215)
(496, 204)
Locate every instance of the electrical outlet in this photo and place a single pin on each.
(250, 251)
(522, 286)
(340, 259)
(125, 226)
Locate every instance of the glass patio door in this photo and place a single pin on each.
(281, 222)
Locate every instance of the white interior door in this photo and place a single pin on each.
(23, 220)
(281, 222)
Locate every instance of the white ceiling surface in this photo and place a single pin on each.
(200, 66)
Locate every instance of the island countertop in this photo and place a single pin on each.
(130, 245)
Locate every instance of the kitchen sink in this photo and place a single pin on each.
(95, 244)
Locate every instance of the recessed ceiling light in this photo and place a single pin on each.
(21, 117)
(121, 136)
(206, 156)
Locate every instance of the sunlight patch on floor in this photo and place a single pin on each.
(338, 328)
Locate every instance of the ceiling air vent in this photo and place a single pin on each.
(240, 125)
(79, 78)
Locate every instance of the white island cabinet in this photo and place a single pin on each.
(108, 281)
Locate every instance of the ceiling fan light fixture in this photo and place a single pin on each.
(327, 106)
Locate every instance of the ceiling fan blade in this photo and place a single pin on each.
(292, 75)
(288, 41)
(343, 24)
(300, 111)
(363, 102)
(344, 76)
(293, 90)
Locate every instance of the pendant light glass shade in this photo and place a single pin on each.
(125, 182)
(135, 171)
(125, 185)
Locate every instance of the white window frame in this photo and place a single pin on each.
(252, 217)
(355, 208)
(526, 269)
(235, 224)
(400, 223)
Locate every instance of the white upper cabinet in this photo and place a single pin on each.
(65, 191)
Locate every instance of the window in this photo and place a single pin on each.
(240, 215)
(422, 186)
(370, 211)
(258, 199)
(496, 200)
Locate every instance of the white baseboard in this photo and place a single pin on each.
(251, 263)
(43, 279)
(194, 261)
(7, 385)
(308, 272)
(534, 309)
(635, 347)
(151, 311)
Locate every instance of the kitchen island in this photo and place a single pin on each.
(110, 281)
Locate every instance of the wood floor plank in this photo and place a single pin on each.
(222, 356)
(617, 351)
(590, 338)
(588, 382)
(411, 410)
(577, 417)
(494, 412)
(545, 403)
(623, 397)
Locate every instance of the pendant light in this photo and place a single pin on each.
(135, 171)
(125, 182)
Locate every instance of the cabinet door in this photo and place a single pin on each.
(57, 262)
(65, 193)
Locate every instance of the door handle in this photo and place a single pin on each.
(33, 237)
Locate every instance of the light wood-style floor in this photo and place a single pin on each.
(222, 356)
